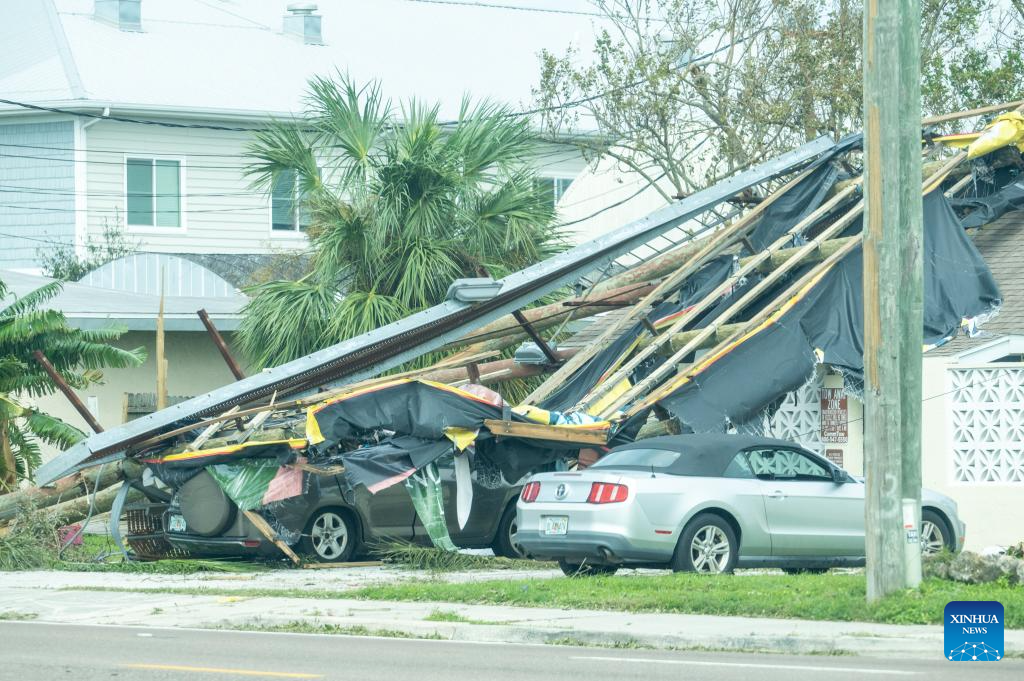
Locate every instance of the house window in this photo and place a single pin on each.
(287, 214)
(154, 192)
(555, 187)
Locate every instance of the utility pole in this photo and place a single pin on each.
(893, 284)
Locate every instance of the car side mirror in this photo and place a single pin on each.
(838, 476)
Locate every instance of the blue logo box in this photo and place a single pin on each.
(974, 631)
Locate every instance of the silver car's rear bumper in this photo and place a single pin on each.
(593, 547)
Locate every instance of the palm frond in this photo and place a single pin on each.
(30, 300)
(351, 120)
(488, 137)
(282, 148)
(52, 430)
(25, 328)
(286, 320)
(364, 311)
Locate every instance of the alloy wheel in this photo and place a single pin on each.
(710, 550)
(513, 528)
(932, 541)
(330, 535)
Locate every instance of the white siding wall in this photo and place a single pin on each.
(220, 213)
(992, 508)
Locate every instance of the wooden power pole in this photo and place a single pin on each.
(893, 281)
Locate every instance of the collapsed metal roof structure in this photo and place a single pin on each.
(745, 316)
(389, 346)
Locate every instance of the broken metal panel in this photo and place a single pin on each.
(370, 353)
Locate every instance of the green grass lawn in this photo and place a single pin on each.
(818, 597)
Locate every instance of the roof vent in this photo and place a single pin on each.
(302, 23)
(123, 14)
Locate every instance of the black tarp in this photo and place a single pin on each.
(391, 461)
(408, 407)
(985, 209)
(794, 206)
(418, 414)
(777, 219)
(737, 385)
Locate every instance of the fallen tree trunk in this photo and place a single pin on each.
(78, 509)
(71, 487)
(496, 372)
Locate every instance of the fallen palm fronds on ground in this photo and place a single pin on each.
(434, 559)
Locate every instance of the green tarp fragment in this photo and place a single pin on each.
(424, 488)
(245, 482)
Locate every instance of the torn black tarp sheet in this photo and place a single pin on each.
(824, 324)
(985, 209)
(391, 461)
(423, 409)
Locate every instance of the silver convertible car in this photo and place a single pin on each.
(709, 503)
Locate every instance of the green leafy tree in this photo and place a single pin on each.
(400, 203)
(64, 262)
(691, 91)
(79, 356)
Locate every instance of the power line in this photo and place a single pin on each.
(522, 8)
(560, 155)
(124, 119)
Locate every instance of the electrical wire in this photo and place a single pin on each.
(523, 8)
(88, 516)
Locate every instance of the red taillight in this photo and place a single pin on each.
(530, 492)
(607, 493)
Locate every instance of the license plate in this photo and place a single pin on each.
(556, 524)
(176, 523)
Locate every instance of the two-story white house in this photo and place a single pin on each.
(137, 113)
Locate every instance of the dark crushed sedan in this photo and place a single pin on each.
(330, 523)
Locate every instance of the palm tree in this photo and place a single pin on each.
(79, 356)
(399, 203)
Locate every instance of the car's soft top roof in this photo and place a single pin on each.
(706, 454)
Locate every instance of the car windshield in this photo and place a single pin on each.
(638, 458)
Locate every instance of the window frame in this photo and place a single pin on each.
(555, 179)
(824, 463)
(297, 232)
(182, 194)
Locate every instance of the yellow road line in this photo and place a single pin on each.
(219, 670)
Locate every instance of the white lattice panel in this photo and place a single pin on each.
(987, 425)
(799, 417)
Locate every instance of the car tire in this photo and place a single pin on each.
(330, 536)
(504, 544)
(935, 534)
(586, 569)
(700, 546)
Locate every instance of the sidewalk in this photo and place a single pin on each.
(49, 603)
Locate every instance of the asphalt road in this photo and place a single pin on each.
(45, 652)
